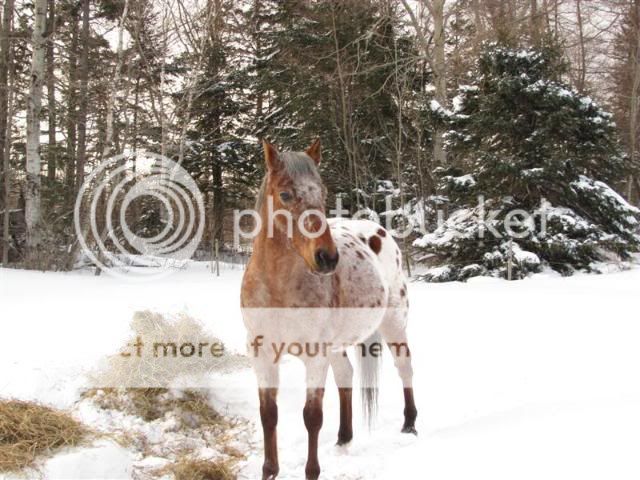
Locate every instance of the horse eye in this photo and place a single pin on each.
(285, 196)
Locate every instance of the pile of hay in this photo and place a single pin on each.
(190, 406)
(29, 430)
(195, 469)
(194, 417)
(163, 349)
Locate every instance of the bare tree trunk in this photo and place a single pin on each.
(215, 24)
(51, 94)
(5, 65)
(583, 57)
(635, 92)
(201, 48)
(535, 23)
(109, 132)
(257, 8)
(163, 79)
(439, 74)
(479, 24)
(108, 142)
(72, 114)
(84, 98)
(6, 156)
(346, 121)
(435, 59)
(34, 106)
(6, 114)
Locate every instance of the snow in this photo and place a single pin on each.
(524, 257)
(104, 460)
(463, 181)
(438, 109)
(530, 379)
(587, 184)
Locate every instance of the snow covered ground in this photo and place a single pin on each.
(532, 379)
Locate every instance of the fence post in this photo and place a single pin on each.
(217, 259)
(510, 260)
(213, 255)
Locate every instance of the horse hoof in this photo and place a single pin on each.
(344, 440)
(269, 472)
(312, 471)
(410, 429)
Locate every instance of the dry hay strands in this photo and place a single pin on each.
(29, 430)
(191, 406)
(195, 469)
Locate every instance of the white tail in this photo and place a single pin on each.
(369, 366)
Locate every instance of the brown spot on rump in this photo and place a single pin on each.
(403, 291)
(382, 233)
(360, 255)
(375, 244)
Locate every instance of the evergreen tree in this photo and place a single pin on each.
(220, 155)
(331, 69)
(522, 140)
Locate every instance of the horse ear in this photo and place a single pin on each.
(271, 156)
(314, 151)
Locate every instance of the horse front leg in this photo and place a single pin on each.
(269, 417)
(267, 374)
(312, 414)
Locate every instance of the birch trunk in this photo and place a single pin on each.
(51, 95)
(34, 106)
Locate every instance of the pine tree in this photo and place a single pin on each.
(328, 69)
(522, 140)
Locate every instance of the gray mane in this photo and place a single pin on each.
(297, 165)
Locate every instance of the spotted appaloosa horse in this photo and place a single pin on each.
(307, 287)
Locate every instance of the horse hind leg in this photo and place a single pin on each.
(343, 375)
(395, 336)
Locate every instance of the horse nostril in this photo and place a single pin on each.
(321, 258)
(325, 261)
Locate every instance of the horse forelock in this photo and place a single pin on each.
(302, 171)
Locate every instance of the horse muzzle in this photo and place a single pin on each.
(326, 262)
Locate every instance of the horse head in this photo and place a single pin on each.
(295, 198)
